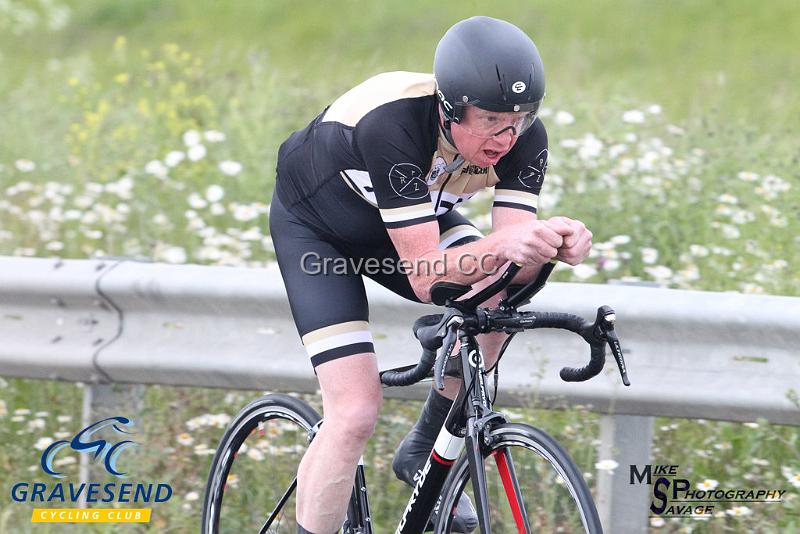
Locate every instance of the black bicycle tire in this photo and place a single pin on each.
(514, 434)
(240, 427)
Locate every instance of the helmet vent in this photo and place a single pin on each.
(500, 81)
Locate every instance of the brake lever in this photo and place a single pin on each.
(606, 317)
(444, 352)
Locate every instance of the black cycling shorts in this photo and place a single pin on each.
(322, 256)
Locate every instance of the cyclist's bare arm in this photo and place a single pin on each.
(518, 238)
(574, 249)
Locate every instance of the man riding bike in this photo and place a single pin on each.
(379, 174)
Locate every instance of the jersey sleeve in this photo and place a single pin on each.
(521, 171)
(398, 167)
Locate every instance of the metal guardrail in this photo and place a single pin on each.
(690, 354)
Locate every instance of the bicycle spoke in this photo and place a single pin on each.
(279, 507)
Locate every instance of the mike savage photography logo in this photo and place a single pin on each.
(104, 443)
(674, 496)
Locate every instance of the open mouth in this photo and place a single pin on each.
(491, 154)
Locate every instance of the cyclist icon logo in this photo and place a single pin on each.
(102, 448)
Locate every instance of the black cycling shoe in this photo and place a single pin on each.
(414, 451)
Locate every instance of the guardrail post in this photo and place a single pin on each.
(626, 439)
(101, 401)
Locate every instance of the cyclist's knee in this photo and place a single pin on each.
(355, 421)
(351, 395)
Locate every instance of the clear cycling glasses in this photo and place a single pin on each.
(487, 124)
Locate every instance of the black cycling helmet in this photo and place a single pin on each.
(490, 64)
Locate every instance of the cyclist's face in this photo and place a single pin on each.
(474, 139)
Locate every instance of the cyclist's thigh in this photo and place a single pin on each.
(327, 299)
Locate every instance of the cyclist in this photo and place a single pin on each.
(378, 175)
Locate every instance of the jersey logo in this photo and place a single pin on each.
(518, 87)
(406, 180)
(437, 170)
(533, 174)
(474, 169)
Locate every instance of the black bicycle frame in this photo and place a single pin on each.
(463, 427)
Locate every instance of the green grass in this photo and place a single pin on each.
(710, 183)
(737, 456)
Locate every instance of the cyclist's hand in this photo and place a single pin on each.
(533, 242)
(577, 239)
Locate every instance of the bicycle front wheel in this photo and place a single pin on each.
(533, 486)
(253, 474)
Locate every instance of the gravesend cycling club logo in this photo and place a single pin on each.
(680, 497)
(83, 443)
(104, 443)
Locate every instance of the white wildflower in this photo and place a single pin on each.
(606, 465)
(230, 168)
(42, 443)
(583, 271)
(67, 460)
(633, 116)
(191, 138)
(156, 168)
(196, 152)
(173, 255)
(563, 118)
(649, 255)
(707, 484)
(243, 212)
(214, 193)
(25, 165)
(196, 201)
(614, 151)
(255, 454)
(675, 130)
(36, 424)
(174, 158)
(739, 511)
(654, 109)
(660, 273)
(213, 136)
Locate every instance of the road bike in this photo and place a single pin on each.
(519, 478)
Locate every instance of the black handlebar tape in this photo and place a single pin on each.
(566, 321)
(593, 368)
(411, 376)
